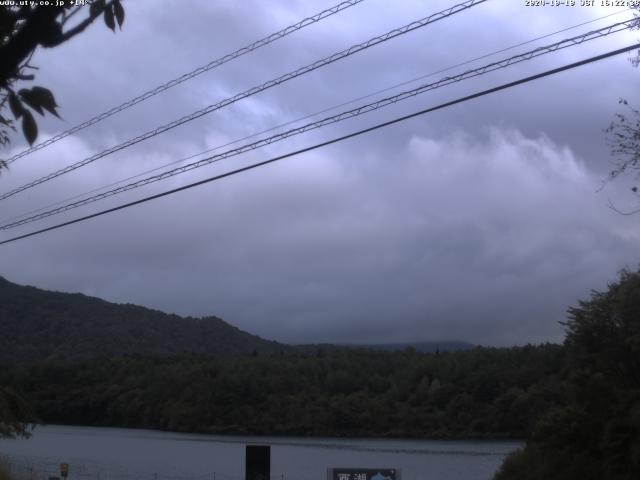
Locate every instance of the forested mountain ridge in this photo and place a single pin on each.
(38, 324)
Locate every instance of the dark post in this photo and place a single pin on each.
(258, 462)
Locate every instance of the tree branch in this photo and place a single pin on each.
(81, 26)
(40, 28)
(27, 39)
(69, 15)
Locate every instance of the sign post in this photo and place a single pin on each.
(258, 462)
(64, 470)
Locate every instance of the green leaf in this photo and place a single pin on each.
(16, 106)
(45, 99)
(29, 127)
(27, 97)
(119, 11)
(96, 8)
(109, 19)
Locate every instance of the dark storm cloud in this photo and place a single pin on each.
(479, 223)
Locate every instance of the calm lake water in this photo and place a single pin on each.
(123, 454)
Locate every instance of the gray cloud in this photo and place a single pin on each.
(480, 222)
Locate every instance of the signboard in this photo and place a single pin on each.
(64, 470)
(364, 474)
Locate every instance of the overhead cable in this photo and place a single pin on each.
(252, 91)
(602, 32)
(187, 76)
(332, 141)
(305, 117)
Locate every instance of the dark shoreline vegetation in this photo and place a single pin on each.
(482, 393)
(578, 404)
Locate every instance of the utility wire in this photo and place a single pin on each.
(315, 114)
(252, 91)
(616, 27)
(332, 141)
(311, 115)
(305, 117)
(194, 73)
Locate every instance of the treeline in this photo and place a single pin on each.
(485, 392)
(595, 435)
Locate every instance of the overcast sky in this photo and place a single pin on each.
(480, 222)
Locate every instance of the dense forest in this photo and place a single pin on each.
(578, 404)
(595, 435)
(477, 393)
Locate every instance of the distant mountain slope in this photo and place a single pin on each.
(38, 324)
(424, 347)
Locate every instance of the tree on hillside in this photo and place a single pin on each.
(604, 332)
(597, 434)
(24, 28)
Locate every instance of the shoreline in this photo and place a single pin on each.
(230, 435)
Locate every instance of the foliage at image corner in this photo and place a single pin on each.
(623, 138)
(24, 28)
(596, 435)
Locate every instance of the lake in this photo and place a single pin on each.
(126, 454)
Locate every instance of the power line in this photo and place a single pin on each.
(334, 140)
(602, 32)
(252, 91)
(291, 122)
(336, 118)
(194, 73)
